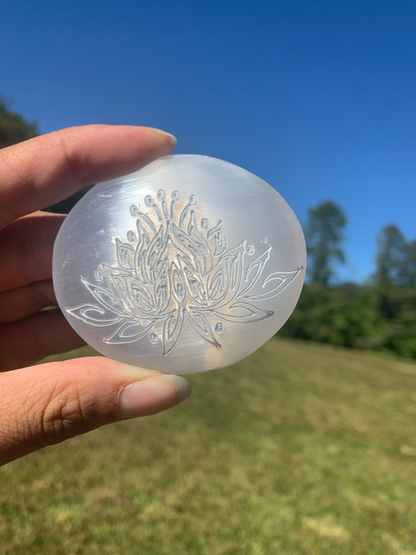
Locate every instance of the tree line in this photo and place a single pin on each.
(378, 314)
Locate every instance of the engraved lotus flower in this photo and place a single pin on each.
(178, 272)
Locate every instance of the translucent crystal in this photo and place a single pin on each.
(187, 265)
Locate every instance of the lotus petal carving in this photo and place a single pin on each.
(176, 271)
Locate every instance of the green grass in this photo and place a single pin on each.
(299, 449)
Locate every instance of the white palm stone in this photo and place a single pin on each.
(187, 265)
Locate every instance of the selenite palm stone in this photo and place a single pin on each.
(187, 265)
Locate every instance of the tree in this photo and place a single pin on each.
(13, 128)
(324, 234)
(392, 255)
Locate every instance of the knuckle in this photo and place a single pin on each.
(70, 165)
(38, 416)
(60, 414)
(11, 161)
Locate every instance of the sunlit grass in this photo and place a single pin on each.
(299, 449)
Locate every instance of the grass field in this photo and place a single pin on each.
(299, 449)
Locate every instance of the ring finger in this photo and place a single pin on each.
(22, 302)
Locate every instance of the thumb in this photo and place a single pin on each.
(49, 403)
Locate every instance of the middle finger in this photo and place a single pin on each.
(26, 248)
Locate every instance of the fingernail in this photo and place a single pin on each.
(173, 138)
(152, 395)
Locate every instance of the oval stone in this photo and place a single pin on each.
(185, 266)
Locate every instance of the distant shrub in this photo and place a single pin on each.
(357, 316)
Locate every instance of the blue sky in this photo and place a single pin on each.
(318, 98)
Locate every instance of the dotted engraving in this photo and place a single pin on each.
(176, 271)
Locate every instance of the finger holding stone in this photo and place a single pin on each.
(49, 403)
(40, 172)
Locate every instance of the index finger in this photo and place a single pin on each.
(47, 169)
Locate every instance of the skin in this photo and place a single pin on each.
(48, 403)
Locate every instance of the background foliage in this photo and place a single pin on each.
(13, 127)
(379, 314)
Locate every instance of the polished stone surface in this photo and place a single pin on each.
(187, 265)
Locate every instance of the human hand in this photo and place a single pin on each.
(48, 403)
